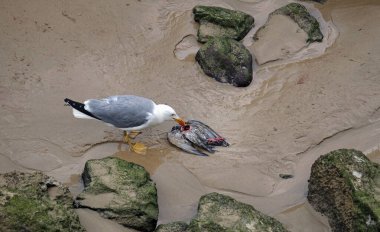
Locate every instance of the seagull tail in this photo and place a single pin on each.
(79, 111)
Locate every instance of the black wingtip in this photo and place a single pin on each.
(71, 103)
(79, 106)
(74, 104)
(67, 102)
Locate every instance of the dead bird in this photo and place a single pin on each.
(206, 134)
(176, 138)
(196, 133)
(195, 136)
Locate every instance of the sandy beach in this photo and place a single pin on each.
(322, 97)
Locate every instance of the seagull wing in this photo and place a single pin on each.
(123, 111)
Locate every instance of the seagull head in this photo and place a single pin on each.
(169, 113)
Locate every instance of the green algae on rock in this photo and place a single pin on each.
(217, 212)
(226, 60)
(26, 205)
(302, 17)
(172, 227)
(345, 186)
(121, 191)
(221, 22)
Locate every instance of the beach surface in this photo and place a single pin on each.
(322, 97)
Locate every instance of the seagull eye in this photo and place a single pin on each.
(173, 115)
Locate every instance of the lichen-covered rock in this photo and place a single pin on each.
(287, 31)
(172, 227)
(217, 212)
(221, 22)
(303, 18)
(35, 202)
(121, 191)
(345, 186)
(226, 60)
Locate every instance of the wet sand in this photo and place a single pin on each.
(325, 97)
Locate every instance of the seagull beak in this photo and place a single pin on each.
(180, 121)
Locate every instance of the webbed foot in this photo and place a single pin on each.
(139, 148)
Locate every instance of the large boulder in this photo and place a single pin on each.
(345, 186)
(303, 18)
(35, 202)
(226, 60)
(221, 22)
(121, 191)
(217, 212)
(288, 30)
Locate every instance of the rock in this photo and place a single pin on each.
(217, 212)
(120, 191)
(345, 186)
(35, 202)
(301, 16)
(226, 60)
(221, 22)
(288, 30)
(172, 227)
(286, 176)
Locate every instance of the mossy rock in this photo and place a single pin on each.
(302, 17)
(26, 205)
(217, 212)
(221, 22)
(226, 60)
(345, 186)
(172, 227)
(121, 191)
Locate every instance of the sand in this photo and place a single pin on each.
(324, 97)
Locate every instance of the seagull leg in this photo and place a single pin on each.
(127, 139)
(139, 148)
(134, 134)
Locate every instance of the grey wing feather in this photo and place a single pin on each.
(205, 132)
(189, 148)
(197, 140)
(124, 111)
(176, 138)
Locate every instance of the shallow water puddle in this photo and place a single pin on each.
(75, 184)
(150, 161)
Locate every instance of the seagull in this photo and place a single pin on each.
(127, 112)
